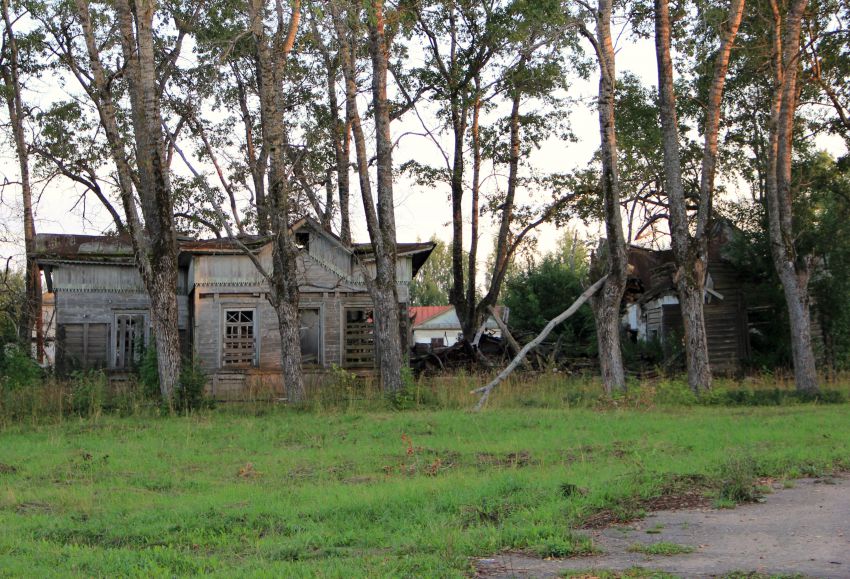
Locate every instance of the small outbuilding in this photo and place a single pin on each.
(439, 326)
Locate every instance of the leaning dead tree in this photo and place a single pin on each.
(485, 391)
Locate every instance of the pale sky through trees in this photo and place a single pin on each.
(420, 212)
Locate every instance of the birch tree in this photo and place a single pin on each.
(10, 71)
(606, 302)
(690, 251)
(126, 33)
(272, 54)
(481, 56)
(794, 270)
(352, 34)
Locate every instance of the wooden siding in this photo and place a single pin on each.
(329, 253)
(105, 277)
(726, 325)
(208, 314)
(82, 307)
(82, 346)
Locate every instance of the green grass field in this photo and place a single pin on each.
(267, 491)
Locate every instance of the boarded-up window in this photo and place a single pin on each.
(311, 333)
(130, 333)
(239, 342)
(359, 339)
(82, 346)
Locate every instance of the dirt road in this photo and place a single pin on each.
(803, 530)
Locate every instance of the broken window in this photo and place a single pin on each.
(310, 331)
(239, 342)
(359, 339)
(302, 240)
(129, 342)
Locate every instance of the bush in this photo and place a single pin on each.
(412, 395)
(17, 370)
(88, 393)
(189, 394)
(190, 391)
(738, 480)
(770, 397)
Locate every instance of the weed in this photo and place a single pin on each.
(570, 545)
(738, 480)
(661, 548)
(721, 503)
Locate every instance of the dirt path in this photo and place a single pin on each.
(802, 530)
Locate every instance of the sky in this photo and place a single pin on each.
(421, 212)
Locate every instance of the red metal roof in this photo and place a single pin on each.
(421, 314)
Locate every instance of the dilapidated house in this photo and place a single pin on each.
(652, 303)
(226, 323)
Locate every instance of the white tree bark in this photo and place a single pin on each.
(793, 269)
(613, 258)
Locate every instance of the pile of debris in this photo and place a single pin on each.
(493, 352)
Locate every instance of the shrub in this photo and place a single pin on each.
(738, 480)
(88, 392)
(189, 394)
(17, 370)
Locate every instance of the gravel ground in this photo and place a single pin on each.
(804, 530)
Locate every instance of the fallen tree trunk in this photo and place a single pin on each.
(486, 390)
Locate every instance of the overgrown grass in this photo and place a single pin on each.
(270, 491)
(89, 394)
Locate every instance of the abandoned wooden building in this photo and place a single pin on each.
(652, 311)
(226, 323)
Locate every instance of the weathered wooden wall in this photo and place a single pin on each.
(87, 300)
(725, 322)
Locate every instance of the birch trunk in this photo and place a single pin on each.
(380, 217)
(341, 132)
(606, 302)
(690, 260)
(10, 68)
(154, 243)
(283, 280)
(792, 269)
(154, 187)
(384, 291)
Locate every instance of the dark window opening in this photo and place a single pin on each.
(82, 346)
(310, 330)
(302, 240)
(129, 341)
